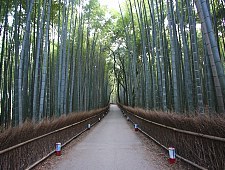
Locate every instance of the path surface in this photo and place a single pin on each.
(111, 145)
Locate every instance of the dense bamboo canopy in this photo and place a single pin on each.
(62, 56)
(173, 59)
(52, 62)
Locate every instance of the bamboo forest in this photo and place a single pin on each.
(63, 56)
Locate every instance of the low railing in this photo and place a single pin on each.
(199, 150)
(28, 154)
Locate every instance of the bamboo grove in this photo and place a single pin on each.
(62, 56)
(52, 62)
(171, 55)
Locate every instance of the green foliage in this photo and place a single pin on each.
(86, 51)
(62, 52)
(166, 43)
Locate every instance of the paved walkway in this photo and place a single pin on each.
(111, 145)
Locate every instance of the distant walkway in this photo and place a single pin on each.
(111, 145)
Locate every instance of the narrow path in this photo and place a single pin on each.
(111, 145)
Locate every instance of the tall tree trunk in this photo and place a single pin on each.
(173, 54)
(45, 64)
(21, 63)
(35, 116)
(216, 66)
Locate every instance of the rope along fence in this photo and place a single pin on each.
(28, 154)
(200, 150)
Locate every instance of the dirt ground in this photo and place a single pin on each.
(112, 145)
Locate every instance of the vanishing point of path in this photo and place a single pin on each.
(111, 145)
